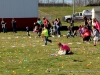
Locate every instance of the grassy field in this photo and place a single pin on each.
(23, 55)
(60, 12)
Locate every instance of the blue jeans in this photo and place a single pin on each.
(4, 29)
(14, 29)
(58, 31)
(46, 39)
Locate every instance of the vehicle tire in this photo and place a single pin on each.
(68, 20)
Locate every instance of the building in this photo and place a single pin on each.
(96, 13)
(25, 12)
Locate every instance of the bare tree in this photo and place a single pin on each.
(48, 1)
(93, 2)
(53, 2)
(63, 1)
(79, 2)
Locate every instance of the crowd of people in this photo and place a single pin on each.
(44, 29)
(53, 28)
(90, 28)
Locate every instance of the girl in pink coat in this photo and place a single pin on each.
(64, 47)
(96, 24)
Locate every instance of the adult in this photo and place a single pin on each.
(90, 23)
(58, 27)
(85, 20)
(55, 27)
(39, 21)
(72, 22)
(96, 23)
(3, 23)
(13, 25)
(45, 22)
(40, 26)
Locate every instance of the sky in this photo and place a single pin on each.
(58, 1)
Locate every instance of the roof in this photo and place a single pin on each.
(97, 9)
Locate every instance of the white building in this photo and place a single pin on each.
(96, 13)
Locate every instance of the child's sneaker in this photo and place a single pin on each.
(58, 35)
(53, 36)
(43, 45)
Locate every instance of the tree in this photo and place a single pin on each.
(79, 2)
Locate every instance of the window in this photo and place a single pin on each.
(76, 14)
(80, 14)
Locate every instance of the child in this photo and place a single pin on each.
(45, 36)
(36, 25)
(75, 33)
(80, 29)
(40, 30)
(27, 30)
(86, 35)
(70, 33)
(96, 35)
(52, 31)
(65, 48)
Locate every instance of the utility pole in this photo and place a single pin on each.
(73, 6)
(48, 2)
(63, 2)
(84, 2)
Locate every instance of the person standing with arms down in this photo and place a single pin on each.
(96, 35)
(13, 25)
(45, 36)
(27, 30)
(96, 23)
(85, 20)
(58, 27)
(3, 23)
(45, 22)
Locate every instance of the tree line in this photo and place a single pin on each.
(75, 2)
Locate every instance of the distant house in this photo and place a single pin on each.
(96, 13)
(25, 12)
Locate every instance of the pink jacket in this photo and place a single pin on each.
(97, 24)
(65, 47)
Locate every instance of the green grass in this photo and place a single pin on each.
(21, 55)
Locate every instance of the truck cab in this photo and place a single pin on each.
(77, 16)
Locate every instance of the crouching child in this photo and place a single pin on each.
(64, 48)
